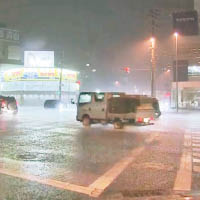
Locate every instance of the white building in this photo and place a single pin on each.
(32, 85)
(189, 86)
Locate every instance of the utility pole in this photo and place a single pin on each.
(153, 67)
(177, 100)
(154, 14)
(60, 80)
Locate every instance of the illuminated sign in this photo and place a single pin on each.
(39, 58)
(186, 22)
(38, 74)
(194, 70)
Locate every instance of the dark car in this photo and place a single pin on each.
(156, 107)
(53, 104)
(8, 104)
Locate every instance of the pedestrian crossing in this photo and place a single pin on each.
(196, 152)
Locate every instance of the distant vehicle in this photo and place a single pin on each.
(8, 105)
(115, 108)
(156, 107)
(54, 104)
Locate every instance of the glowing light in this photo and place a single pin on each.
(94, 70)
(153, 41)
(176, 34)
(98, 91)
(127, 69)
(116, 82)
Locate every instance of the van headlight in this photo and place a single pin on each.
(61, 107)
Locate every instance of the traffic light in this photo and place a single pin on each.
(127, 69)
(78, 82)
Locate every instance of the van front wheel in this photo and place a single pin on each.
(86, 121)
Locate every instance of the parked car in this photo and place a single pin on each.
(8, 105)
(54, 104)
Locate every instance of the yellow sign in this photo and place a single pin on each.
(39, 74)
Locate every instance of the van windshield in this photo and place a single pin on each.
(85, 98)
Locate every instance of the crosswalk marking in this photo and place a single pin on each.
(183, 180)
(196, 155)
(196, 149)
(196, 152)
(196, 169)
(196, 160)
(196, 145)
(196, 137)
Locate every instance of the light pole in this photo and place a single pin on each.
(61, 75)
(153, 66)
(176, 38)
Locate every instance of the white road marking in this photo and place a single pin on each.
(106, 179)
(50, 182)
(196, 169)
(196, 160)
(183, 180)
(196, 139)
(196, 155)
(97, 187)
(187, 141)
(196, 149)
(196, 144)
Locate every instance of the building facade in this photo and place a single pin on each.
(188, 73)
(32, 85)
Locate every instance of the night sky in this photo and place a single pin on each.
(108, 34)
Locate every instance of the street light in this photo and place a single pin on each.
(176, 39)
(153, 66)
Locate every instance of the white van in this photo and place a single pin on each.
(115, 108)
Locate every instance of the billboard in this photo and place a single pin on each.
(38, 74)
(194, 70)
(39, 58)
(182, 69)
(186, 23)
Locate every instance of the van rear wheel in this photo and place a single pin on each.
(86, 121)
(118, 125)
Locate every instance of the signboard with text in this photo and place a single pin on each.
(186, 22)
(10, 35)
(39, 58)
(194, 71)
(38, 74)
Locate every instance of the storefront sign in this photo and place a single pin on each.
(38, 74)
(194, 70)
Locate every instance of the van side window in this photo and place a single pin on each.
(85, 98)
(99, 97)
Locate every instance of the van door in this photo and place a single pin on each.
(84, 105)
(98, 108)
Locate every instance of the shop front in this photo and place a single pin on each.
(32, 86)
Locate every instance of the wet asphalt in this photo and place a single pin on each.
(52, 145)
